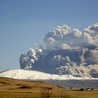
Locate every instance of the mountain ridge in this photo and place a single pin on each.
(36, 75)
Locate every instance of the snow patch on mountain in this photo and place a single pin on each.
(36, 75)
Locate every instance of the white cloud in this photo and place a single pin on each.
(64, 46)
(92, 30)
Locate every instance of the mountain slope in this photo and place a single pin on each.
(39, 89)
(26, 89)
(36, 75)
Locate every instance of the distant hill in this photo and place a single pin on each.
(36, 75)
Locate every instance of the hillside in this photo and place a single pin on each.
(13, 88)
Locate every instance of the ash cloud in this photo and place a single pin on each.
(66, 51)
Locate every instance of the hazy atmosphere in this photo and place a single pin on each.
(26, 23)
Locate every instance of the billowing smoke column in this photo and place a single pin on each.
(66, 51)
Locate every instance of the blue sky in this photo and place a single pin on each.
(25, 22)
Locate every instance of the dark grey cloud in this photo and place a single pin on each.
(66, 51)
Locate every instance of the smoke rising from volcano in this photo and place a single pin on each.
(66, 51)
(73, 38)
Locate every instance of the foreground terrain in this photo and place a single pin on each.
(12, 88)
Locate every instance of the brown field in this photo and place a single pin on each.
(12, 88)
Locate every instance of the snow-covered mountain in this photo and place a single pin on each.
(36, 75)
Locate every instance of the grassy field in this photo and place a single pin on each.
(12, 88)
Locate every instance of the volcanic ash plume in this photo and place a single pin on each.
(66, 51)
